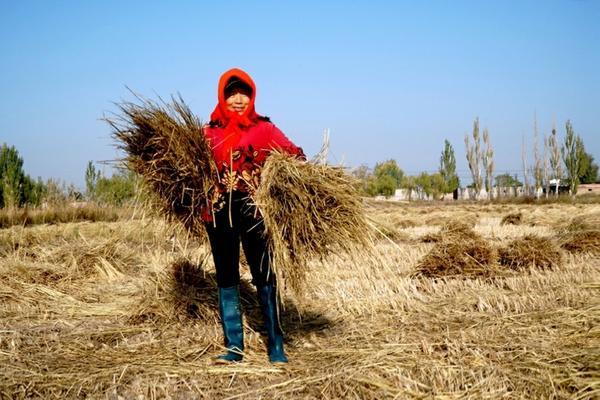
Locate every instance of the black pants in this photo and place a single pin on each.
(225, 235)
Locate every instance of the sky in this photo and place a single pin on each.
(389, 79)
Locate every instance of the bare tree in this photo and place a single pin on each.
(546, 165)
(555, 161)
(488, 164)
(525, 167)
(474, 157)
(538, 170)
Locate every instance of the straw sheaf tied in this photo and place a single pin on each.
(530, 251)
(581, 234)
(311, 210)
(163, 143)
(459, 252)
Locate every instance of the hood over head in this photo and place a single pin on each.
(230, 119)
(232, 123)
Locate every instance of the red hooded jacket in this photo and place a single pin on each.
(241, 143)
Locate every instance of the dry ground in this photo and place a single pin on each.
(126, 310)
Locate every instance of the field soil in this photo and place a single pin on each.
(128, 309)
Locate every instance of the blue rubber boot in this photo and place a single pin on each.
(231, 320)
(267, 297)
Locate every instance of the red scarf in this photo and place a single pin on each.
(233, 123)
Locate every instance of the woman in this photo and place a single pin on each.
(241, 140)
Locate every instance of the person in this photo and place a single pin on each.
(240, 141)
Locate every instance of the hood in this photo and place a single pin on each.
(226, 117)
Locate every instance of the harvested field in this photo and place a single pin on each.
(126, 309)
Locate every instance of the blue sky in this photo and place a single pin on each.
(390, 79)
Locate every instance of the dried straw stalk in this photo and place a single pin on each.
(163, 143)
(311, 210)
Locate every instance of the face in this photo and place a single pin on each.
(237, 100)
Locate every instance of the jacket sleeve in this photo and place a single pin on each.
(281, 142)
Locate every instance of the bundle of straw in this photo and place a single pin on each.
(581, 234)
(164, 144)
(311, 210)
(530, 251)
(458, 252)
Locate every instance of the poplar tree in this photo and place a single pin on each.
(546, 166)
(525, 167)
(91, 180)
(572, 153)
(555, 162)
(448, 168)
(11, 177)
(488, 163)
(538, 168)
(474, 157)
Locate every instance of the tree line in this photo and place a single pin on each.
(558, 162)
(565, 161)
(387, 176)
(18, 189)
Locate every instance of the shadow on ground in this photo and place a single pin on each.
(197, 289)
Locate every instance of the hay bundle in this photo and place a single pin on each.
(163, 143)
(459, 251)
(451, 230)
(512, 219)
(582, 234)
(310, 210)
(387, 232)
(468, 218)
(530, 251)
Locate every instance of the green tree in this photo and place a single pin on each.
(588, 169)
(507, 180)
(389, 168)
(387, 178)
(409, 183)
(572, 153)
(432, 185)
(34, 191)
(448, 168)
(385, 185)
(117, 189)
(11, 177)
(91, 180)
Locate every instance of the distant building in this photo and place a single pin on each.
(588, 188)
